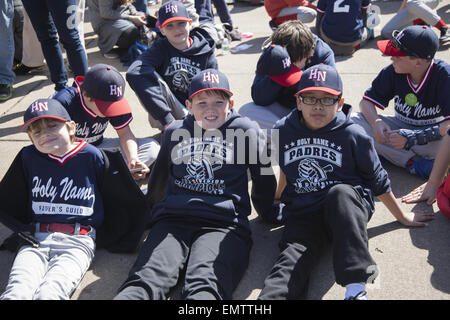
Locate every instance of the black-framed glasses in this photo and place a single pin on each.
(325, 101)
(398, 45)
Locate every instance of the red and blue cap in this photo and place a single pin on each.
(172, 11)
(276, 63)
(320, 77)
(106, 86)
(209, 79)
(44, 108)
(415, 41)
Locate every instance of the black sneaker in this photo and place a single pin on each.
(20, 69)
(272, 25)
(6, 91)
(445, 35)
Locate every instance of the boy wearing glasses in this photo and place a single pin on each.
(417, 83)
(332, 174)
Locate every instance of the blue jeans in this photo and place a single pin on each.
(7, 41)
(142, 6)
(53, 18)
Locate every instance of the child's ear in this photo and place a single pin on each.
(231, 104)
(71, 126)
(188, 105)
(340, 104)
(86, 97)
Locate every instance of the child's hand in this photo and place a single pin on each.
(138, 169)
(416, 218)
(425, 192)
(396, 140)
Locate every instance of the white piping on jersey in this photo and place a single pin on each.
(375, 102)
(69, 154)
(124, 124)
(78, 82)
(417, 87)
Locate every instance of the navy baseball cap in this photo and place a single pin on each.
(172, 11)
(320, 77)
(209, 79)
(106, 86)
(44, 108)
(276, 63)
(416, 41)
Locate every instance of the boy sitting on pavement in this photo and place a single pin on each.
(343, 25)
(418, 84)
(160, 77)
(98, 99)
(58, 192)
(199, 194)
(293, 47)
(333, 174)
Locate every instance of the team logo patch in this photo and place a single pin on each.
(411, 99)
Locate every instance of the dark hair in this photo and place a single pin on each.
(297, 38)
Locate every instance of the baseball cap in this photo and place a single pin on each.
(320, 77)
(172, 11)
(276, 63)
(106, 86)
(209, 79)
(416, 41)
(44, 108)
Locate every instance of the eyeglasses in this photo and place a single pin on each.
(325, 101)
(401, 47)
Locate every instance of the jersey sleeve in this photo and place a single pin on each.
(121, 122)
(382, 89)
(65, 96)
(322, 6)
(443, 100)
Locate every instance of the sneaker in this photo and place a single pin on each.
(20, 69)
(6, 91)
(272, 25)
(420, 166)
(233, 32)
(111, 55)
(362, 295)
(445, 35)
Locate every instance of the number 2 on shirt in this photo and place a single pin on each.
(338, 8)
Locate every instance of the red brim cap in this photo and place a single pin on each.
(113, 108)
(290, 78)
(25, 126)
(323, 89)
(208, 89)
(174, 19)
(388, 49)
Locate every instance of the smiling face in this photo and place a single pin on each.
(177, 32)
(317, 116)
(52, 136)
(210, 108)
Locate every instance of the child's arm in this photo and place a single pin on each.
(412, 219)
(130, 148)
(427, 191)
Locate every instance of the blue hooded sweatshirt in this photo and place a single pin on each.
(315, 160)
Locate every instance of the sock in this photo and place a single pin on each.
(353, 289)
(419, 22)
(441, 24)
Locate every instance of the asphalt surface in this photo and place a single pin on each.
(414, 263)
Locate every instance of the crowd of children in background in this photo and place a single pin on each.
(77, 195)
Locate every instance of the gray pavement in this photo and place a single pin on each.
(414, 263)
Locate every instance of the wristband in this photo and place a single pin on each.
(420, 137)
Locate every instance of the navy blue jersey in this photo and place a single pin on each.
(90, 127)
(343, 19)
(421, 104)
(315, 160)
(65, 189)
